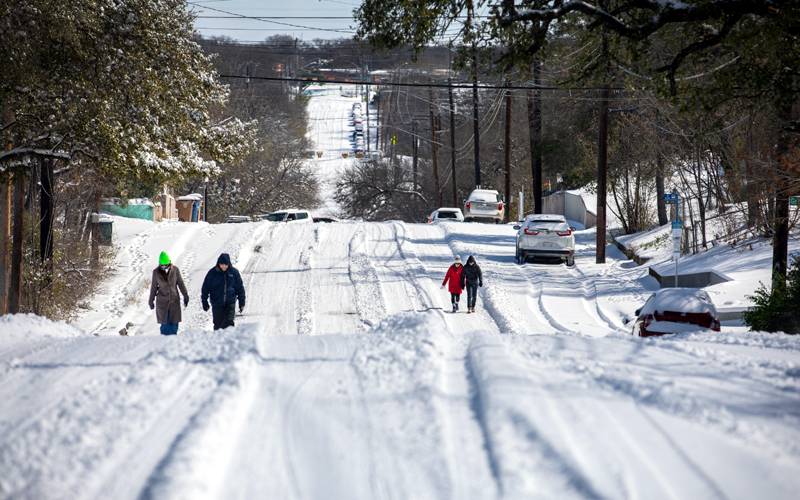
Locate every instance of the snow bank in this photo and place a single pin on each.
(19, 326)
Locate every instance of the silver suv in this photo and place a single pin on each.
(484, 204)
(545, 235)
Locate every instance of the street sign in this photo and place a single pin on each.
(794, 201)
(671, 198)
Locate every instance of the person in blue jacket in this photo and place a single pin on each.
(223, 286)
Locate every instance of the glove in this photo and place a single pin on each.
(480, 284)
(152, 306)
(241, 308)
(442, 287)
(205, 305)
(186, 302)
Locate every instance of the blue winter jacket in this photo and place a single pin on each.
(223, 287)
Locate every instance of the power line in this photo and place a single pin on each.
(239, 16)
(414, 84)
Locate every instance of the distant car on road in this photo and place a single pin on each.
(446, 214)
(289, 215)
(327, 220)
(235, 219)
(545, 235)
(484, 204)
(676, 310)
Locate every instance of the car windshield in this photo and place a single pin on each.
(490, 197)
(448, 214)
(276, 217)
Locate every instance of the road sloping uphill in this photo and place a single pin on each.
(347, 376)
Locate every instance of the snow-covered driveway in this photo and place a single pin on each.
(347, 378)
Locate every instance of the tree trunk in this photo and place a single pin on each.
(602, 176)
(15, 283)
(662, 205)
(95, 225)
(46, 208)
(5, 239)
(780, 221)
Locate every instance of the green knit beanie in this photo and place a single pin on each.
(163, 259)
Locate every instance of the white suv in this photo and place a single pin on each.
(290, 215)
(446, 214)
(484, 204)
(545, 235)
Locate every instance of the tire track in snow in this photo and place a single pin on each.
(370, 302)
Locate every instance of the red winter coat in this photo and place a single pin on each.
(454, 277)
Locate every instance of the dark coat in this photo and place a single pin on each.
(222, 287)
(164, 290)
(472, 273)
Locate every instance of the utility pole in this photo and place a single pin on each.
(415, 149)
(475, 110)
(452, 139)
(507, 156)
(435, 152)
(602, 176)
(535, 119)
(366, 77)
(378, 121)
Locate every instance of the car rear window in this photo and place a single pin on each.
(446, 215)
(302, 215)
(276, 217)
(490, 197)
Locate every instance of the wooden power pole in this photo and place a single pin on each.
(435, 153)
(535, 119)
(507, 156)
(602, 176)
(452, 139)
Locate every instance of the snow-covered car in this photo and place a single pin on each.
(289, 215)
(676, 310)
(545, 235)
(446, 214)
(484, 204)
(235, 219)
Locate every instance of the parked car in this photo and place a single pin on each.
(484, 204)
(235, 219)
(289, 215)
(545, 235)
(675, 310)
(325, 219)
(446, 214)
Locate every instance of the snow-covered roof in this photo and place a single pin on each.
(686, 300)
(191, 197)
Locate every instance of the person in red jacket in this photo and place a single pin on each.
(454, 277)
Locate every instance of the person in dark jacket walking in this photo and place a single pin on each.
(471, 279)
(454, 277)
(164, 298)
(223, 286)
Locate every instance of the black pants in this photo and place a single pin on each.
(223, 315)
(472, 294)
(454, 297)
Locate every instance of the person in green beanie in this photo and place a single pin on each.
(164, 298)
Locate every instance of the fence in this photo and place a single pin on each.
(571, 206)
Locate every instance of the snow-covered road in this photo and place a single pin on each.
(347, 377)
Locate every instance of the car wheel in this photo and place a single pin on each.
(571, 261)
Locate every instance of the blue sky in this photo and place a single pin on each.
(256, 30)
